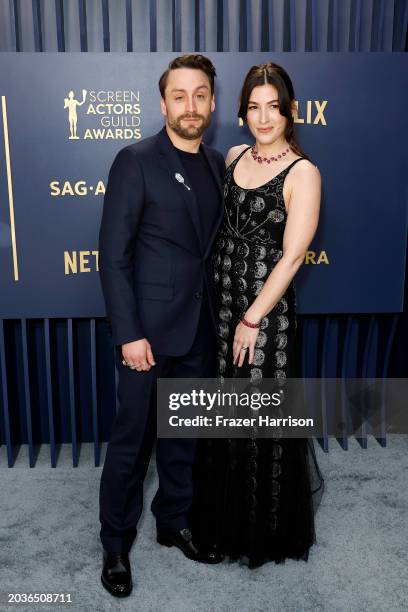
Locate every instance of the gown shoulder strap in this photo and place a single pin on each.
(294, 162)
(238, 157)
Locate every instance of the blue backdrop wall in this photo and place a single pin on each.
(57, 375)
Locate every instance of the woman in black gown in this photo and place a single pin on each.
(255, 499)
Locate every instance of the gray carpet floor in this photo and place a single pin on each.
(49, 542)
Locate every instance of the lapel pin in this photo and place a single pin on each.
(180, 178)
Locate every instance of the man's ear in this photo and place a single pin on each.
(163, 107)
(213, 103)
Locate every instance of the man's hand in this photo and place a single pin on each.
(138, 354)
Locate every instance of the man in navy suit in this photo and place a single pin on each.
(162, 208)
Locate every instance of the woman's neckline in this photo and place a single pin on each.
(234, 163)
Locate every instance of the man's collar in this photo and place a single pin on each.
(167, 143)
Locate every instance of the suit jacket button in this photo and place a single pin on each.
(198, 294)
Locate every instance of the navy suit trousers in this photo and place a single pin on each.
(132, 438)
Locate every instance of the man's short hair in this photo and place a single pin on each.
(192, 60)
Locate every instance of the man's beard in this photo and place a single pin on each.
(193, 131)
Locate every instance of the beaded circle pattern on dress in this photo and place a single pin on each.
(249, 245)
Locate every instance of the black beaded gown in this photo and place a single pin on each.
(255, 497)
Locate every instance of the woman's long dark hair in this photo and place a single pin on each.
(272, 74)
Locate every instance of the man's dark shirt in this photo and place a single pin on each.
(200, 179)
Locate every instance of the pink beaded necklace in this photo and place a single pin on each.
(268, 160)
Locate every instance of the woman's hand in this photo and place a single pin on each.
(244, 337)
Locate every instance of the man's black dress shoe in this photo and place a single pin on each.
(184, 541)
(116, 575)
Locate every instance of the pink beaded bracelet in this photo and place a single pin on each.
(251, 325)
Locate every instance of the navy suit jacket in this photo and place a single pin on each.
(153, 265)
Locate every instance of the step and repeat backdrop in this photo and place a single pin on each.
(65, 116)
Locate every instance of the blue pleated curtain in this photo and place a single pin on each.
(57, 376)
(203, 25)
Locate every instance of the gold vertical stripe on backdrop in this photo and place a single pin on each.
(9, 185)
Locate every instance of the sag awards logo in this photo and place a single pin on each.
(105, 115)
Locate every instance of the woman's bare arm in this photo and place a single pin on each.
(301, 225)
